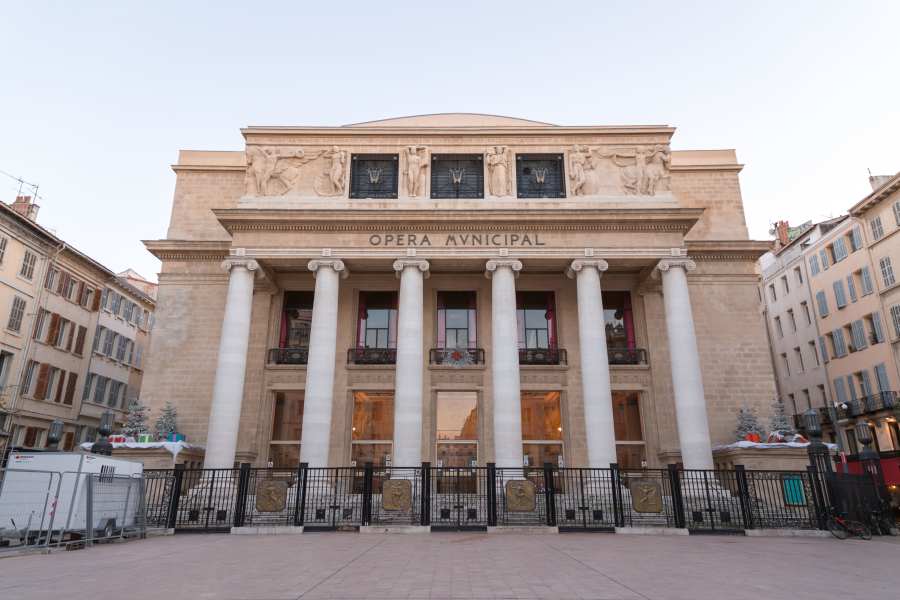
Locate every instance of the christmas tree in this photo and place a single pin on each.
(779, 420)
(747, 425)
(136, 419)
(167, 422)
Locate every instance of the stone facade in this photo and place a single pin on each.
(284, 206)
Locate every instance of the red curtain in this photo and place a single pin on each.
(628, 318)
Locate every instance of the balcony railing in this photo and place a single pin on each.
(456, 357)
(372, 356)
(542, 356)
(288, 356)
(854, 408)
(627, 356)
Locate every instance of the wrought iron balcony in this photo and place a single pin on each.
(542, 356)
(627, 356)
(456, 357)
(880, 401)
(372, 356)
(288, 356)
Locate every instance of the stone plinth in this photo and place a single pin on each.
(772, 457)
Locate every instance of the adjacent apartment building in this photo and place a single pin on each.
(845, 362)
(57, 305)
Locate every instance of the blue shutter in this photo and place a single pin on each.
(823, 348)
(879, 330)
(884, 385)
(851, 387)
(840, 250)
(859, 334)
(814, 265)
(839, 297)
(866, 281)
(856, 238)
(840, 348)
(851, 287)
(840, 390)
(823, 304)
(824, 256)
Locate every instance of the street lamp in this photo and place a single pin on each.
(102, 446)
(54, 434)
(819, 455)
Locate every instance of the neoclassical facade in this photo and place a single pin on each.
(458, 289)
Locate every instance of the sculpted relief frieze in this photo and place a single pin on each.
(637, 171)
(641, 170)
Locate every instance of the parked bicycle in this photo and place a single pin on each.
(881, 521)
(842, 528)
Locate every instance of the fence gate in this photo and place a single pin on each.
(713, 501)
(335, 498)
(584, 499)
(460, 498)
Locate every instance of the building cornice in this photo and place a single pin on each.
(189, 249)
(458, 131)
(406, 219)
(738, 250)
(890, 186)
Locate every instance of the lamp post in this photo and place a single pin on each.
(819, 455)
(868, 457)
(103, 446)
(54, 434)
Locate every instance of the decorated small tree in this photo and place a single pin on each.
(167, 422)
(135, 419)
(779, 421)
(747, 425)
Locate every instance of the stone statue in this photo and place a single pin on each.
(579, 163)
(264, 167)
(332, 181)
(416, 164)
(498, 171)
(649, 168)
(656, 174)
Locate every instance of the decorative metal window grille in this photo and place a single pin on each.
(540, 176)
(457, 176)
(374, 175)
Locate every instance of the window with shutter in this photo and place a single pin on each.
(15, 314)
(840, 347)
(851, 288)
(840, 390)
(859, 334)
(59, 385)
(53, 330)
(96, 306)
(823, 347)
(855, 239)
(40, 390)
(839, 298)
(70, 389)
(866, 277)
(814, 265)
(887, 271)
(876, 227)
(866, 384)
(3, 242)
(877, 329)
(87, 387)
(881, 376)
(895, 319)
(79, 340)
(823, 256)
(27, 269)
(823, 304)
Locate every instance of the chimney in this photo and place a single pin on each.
(25, 207)
(876, 181)
(781, 233)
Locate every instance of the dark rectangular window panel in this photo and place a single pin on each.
(374, 175)
(540, 176)
(296, 320)
(457, 176)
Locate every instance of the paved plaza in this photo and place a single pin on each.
(461, 565)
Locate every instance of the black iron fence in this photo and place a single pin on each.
(465, 498)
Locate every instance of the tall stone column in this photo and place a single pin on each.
(318, 397)
(687, 379)
(595, 381)
(228, 389)
(505, 363)
(410, 363)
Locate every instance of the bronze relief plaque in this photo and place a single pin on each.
(520, 496)
(271, 495)
(396, 494)
(646, 495)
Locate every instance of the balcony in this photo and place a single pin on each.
(456, 357)
(854, 408)
(288, 356)
(627, 356)
(372, 356)
(542, 356)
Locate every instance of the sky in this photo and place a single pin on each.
(96, 98)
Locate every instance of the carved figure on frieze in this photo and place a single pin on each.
(263, 167)
(331, 181)
(416, 165)
(579, 164)
(657, 170)
(642, 169)
(498, 171)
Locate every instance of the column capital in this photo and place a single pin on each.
(581, 263)
(334, 263)
(240, 261)
(419, 263)
(667, 263)
(497, 263)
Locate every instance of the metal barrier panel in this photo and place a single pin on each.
(113, 508)
(780, 499)
(396, 496)
(711, 501)
(522, 496)
(459, 498)
(158, 488)
(647, 498)
(28, 507)
(334, 498)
